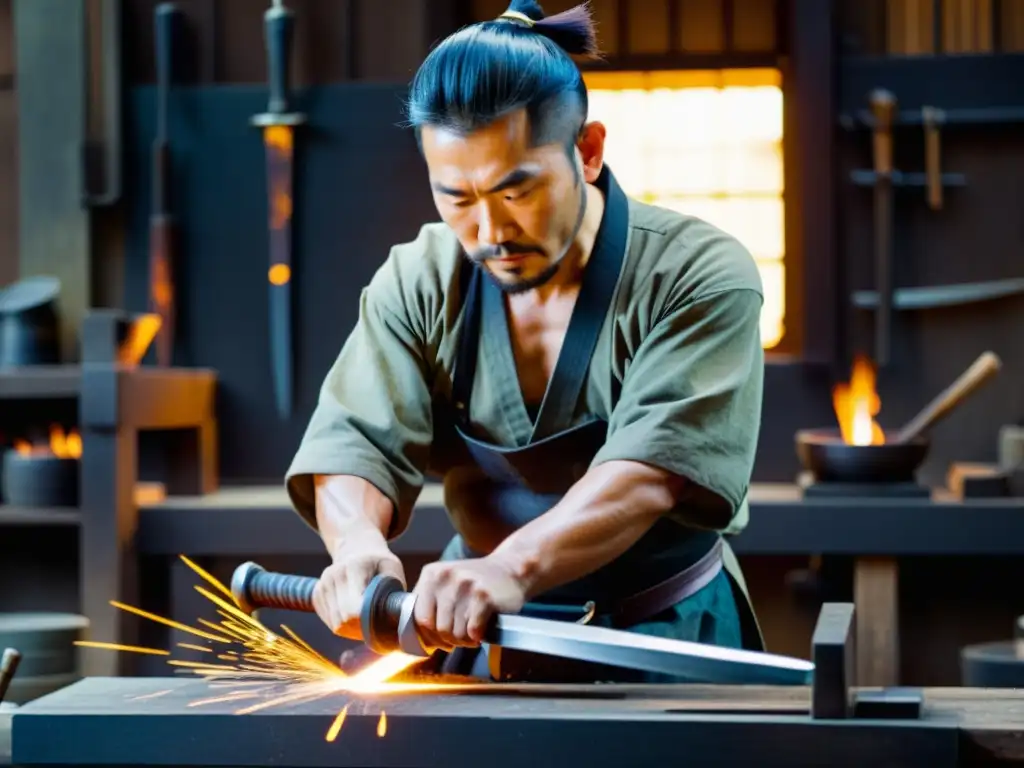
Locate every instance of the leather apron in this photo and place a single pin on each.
(495, 490)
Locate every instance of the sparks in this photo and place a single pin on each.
(261, 669)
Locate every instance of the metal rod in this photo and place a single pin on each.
(883, 106)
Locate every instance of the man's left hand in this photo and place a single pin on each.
(456, 599)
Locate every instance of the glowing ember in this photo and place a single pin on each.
(63, 445)
(856, 404)
(267, 669)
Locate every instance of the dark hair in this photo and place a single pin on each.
(487, 70)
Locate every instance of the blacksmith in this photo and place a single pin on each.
(581, 370)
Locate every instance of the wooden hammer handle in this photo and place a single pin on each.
(984, 368)
(932, 118)
(8, 666)
(883, 110)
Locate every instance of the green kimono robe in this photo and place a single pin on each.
(677, 374)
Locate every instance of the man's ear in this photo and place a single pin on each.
(591, 147)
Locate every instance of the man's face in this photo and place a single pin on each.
(513, 206)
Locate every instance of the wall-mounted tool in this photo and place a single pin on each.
(938, 296)
(931, 119)
(161, 224)
(883, 107)
(102, 157)
(884, 178)
(278, 124)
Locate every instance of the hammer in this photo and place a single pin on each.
(8, 666)
(385, 620)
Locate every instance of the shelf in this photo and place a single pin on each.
(259, 521)
(38, 516)
(937, 296)
(968, 88)
(44, 382)
(150, 398)
(254, 521)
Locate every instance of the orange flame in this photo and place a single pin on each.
(856, 404)
(63, 445)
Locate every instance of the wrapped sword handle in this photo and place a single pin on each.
(385, 620)
(253, 588)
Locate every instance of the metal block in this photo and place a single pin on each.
(833, 653)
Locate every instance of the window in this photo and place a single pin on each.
(707, 144)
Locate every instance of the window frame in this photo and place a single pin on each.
(788, 343)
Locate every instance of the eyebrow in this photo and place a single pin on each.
(512, 179)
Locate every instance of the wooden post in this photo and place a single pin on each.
(875, 595)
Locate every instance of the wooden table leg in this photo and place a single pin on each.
(876, 598)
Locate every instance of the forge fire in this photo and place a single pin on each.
(856, 404)
(61, 444)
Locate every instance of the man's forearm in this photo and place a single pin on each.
(350, 508)
(601, 516)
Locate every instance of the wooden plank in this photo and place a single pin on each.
(875, 595)
(171, 398)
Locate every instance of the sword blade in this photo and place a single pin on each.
(279, 143)
(697, 662)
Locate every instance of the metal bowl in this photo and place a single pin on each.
(829, 459)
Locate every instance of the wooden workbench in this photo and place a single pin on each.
(140, 721)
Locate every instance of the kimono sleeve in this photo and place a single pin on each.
(373, 418)
(691, 402)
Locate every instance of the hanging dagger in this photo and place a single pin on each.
(278, 124)
(161, 223)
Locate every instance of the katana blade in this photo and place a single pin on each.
(278, 124)
(388, 624)
(697, 662)
(279, 143)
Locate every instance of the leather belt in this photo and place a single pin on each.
(636, 608)
(662, 596)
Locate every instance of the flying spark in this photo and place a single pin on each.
(250, 663)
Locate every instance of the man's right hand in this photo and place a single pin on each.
(338, 596)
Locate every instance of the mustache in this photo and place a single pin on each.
(503, 251)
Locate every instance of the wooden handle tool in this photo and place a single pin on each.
(932, 118)
(983, 369)
(8, 666)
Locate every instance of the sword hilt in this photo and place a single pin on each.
(386, 618)
(279, 29)
(253, 588)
